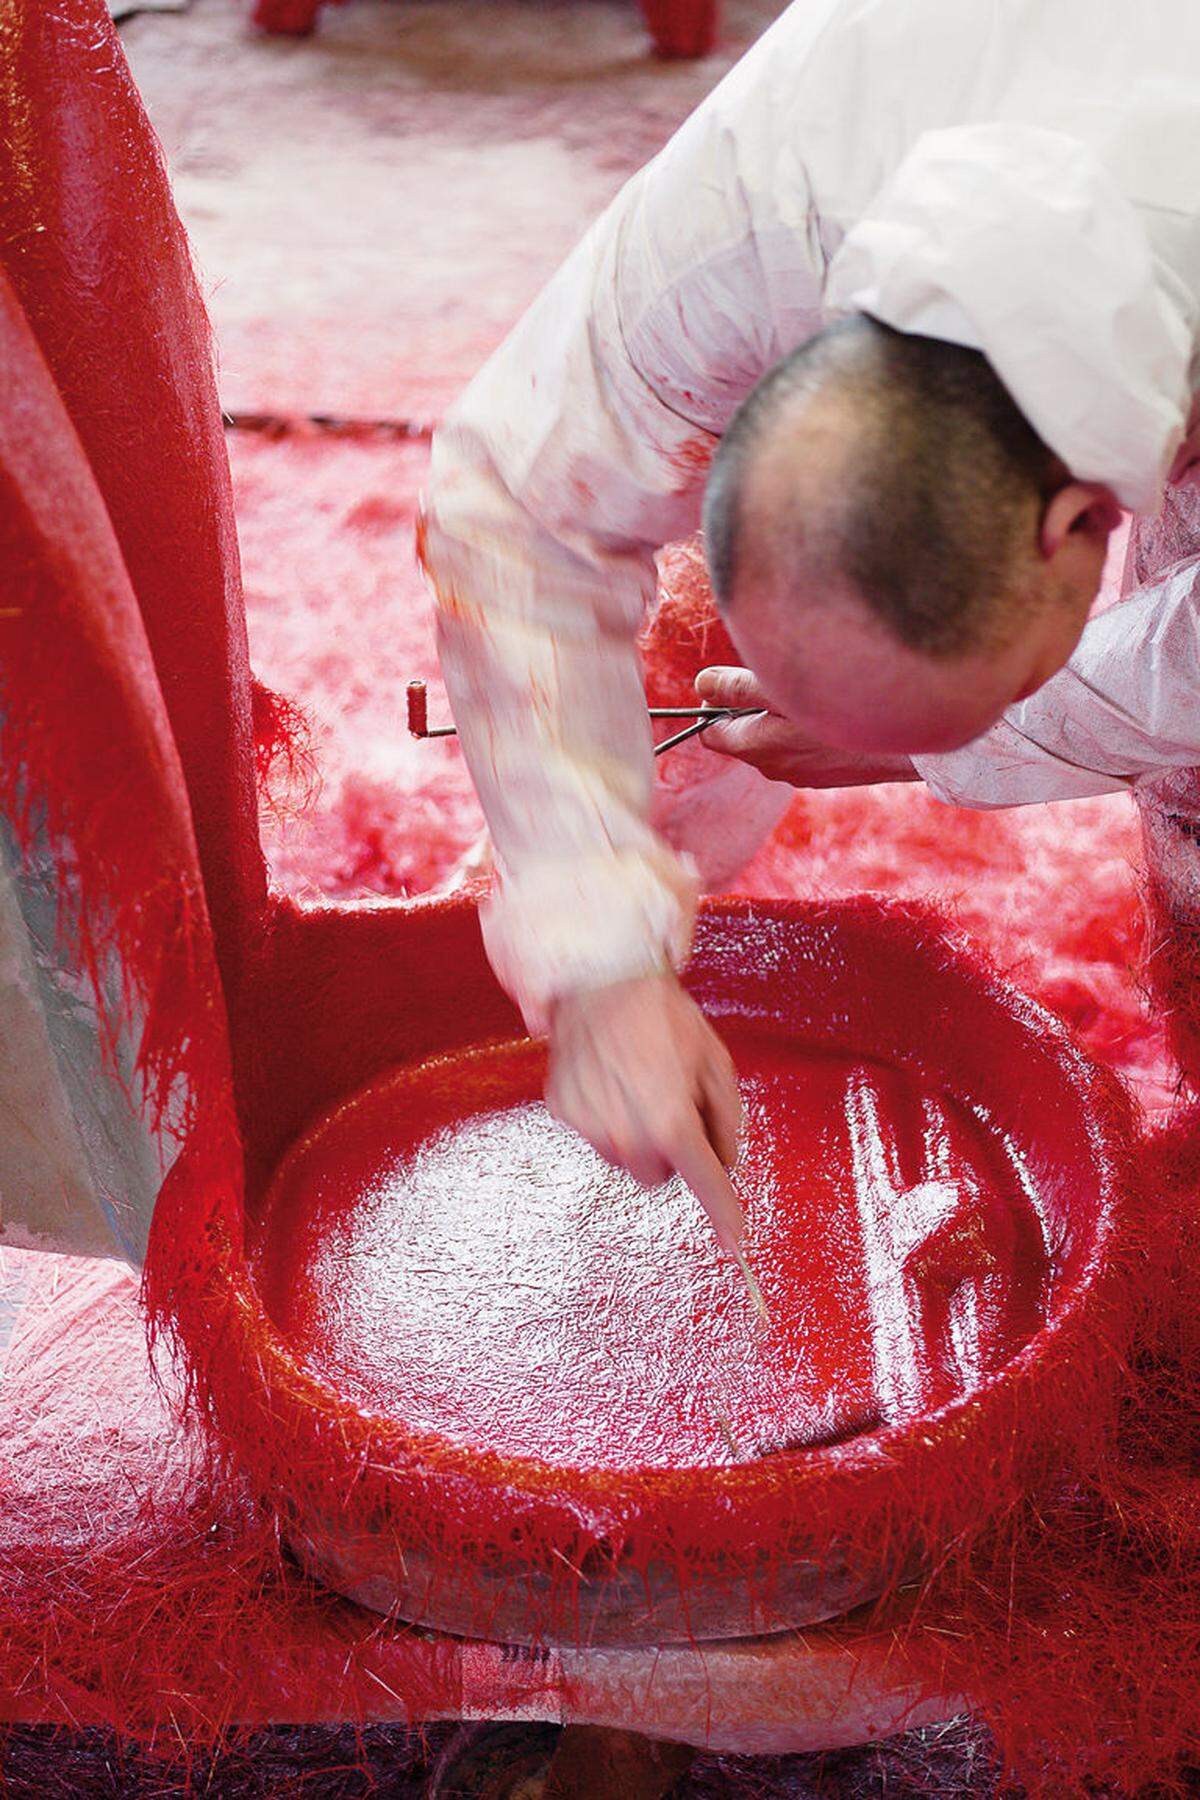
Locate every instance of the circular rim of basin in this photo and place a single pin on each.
(918, 1477)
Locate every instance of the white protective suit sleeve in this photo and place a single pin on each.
(1123, 710)
(550, 494)
(555, 481)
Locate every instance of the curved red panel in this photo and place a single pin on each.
(97, 257)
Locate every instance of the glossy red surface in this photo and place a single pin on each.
(100, 266)
(442, 1252)
(979, 1376)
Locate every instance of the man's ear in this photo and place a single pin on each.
(1080, 509)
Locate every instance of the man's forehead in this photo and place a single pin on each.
(832, 666)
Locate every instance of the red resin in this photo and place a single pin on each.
(443, 1253)
(101, 270)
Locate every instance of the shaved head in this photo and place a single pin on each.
(896, 467)
(875, 523)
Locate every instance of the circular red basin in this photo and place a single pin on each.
(566, 1418)
(440, 1250)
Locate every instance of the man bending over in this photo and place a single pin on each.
(922, 282)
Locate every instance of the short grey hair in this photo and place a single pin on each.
(944, 464)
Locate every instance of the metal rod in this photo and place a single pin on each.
(696, 712)
(419, 726)
(714, 716)
(681, 737)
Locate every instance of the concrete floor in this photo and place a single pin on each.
(372, 208)
(382, 1763)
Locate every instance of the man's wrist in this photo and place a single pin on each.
(662, 969)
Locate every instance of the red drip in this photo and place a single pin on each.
(287, 18)
(418, 709)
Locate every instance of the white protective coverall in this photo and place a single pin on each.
(1019, 176)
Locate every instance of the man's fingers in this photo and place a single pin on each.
(613, 1135)
(725, 686)
(638, 1073)
(726, 738)
(706, 1175)
(647, 1167)
(748, 739)
(722, 1107)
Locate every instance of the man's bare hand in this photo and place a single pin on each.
(641, 1073)
(779, 749)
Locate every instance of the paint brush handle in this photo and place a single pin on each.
(753, 1289)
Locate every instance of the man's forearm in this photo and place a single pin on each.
(554, 481)
(555, 731)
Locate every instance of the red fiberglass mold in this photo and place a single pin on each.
(570, 1423)
(487, 1384)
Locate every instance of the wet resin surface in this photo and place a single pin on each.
(443, 1252)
